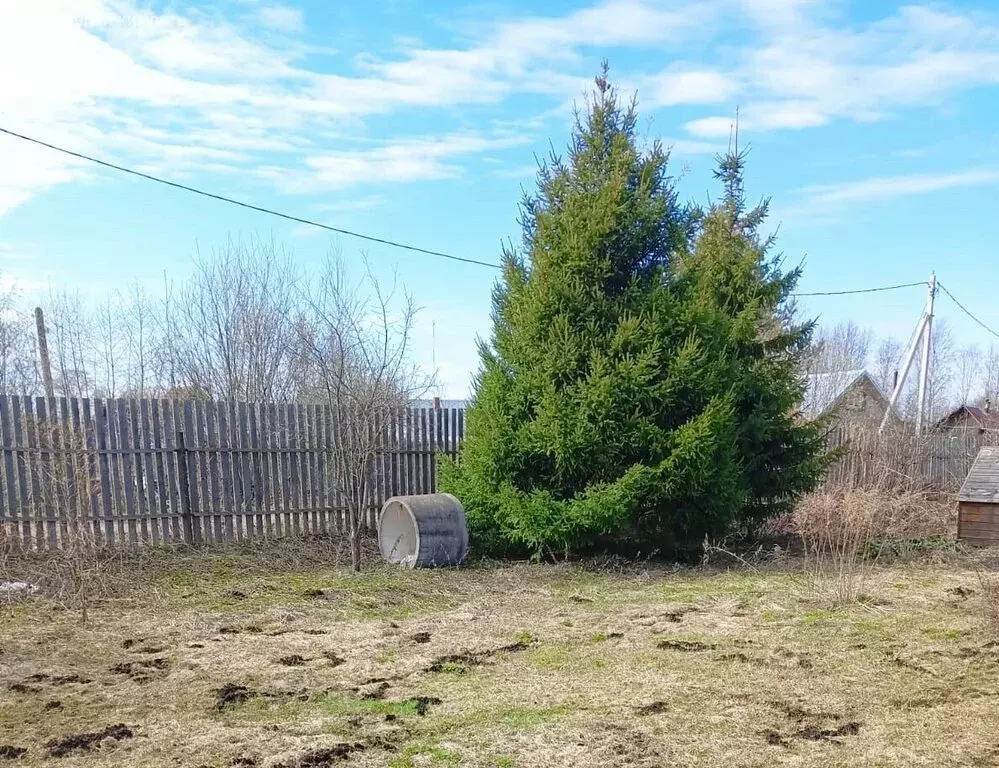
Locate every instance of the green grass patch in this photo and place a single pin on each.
(553, 657)
(437, 755)
(527, 718)
(821, 616)
(340, 705)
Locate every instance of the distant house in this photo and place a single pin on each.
(971, 419)
(438, 403)
(848, 398)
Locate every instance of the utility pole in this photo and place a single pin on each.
(923, 333)
(910, 354)
(927, 361)
(43, 353)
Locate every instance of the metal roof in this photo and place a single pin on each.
(986, 419)
(823, 391)
(982, 484)
(428, 402)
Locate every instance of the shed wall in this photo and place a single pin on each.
(978, 523)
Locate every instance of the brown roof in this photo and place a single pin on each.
(985, 419)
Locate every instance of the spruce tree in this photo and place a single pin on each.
(638, 387)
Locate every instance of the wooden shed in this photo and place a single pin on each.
(978, 501)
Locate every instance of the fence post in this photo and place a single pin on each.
(192, 534)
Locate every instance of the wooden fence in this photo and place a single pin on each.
(937, 461)
(161, 471)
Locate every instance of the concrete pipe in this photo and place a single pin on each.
(423, 531)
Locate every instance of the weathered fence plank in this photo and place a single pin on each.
(12, 508)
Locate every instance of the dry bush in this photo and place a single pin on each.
(844, 533)
(80, 571)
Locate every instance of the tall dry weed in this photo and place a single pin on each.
(844, 533)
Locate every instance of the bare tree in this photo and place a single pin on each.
(887, 361)
(832, 362)
(845, 347)
(942, 371)
(70, 344)
(989, 384)
(357, 341)
(968, 368)
(105, 339)
(232, 329)
(138, 328)
(18, 358)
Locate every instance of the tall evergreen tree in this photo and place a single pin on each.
(639, 385)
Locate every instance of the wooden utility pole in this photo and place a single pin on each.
(43, 353)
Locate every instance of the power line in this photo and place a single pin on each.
(862, 290)
(393, 243)
(250, 206)
(967, 311)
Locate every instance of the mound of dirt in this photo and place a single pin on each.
(423, 704)
(684, 645)
(375, 692)
(293, 660)
(141, 670)
(420, 637)
(318, 758)
(811, 733)
(473, 658)
(87, 742)
(41, 677)
(9, 752)
(232, 694)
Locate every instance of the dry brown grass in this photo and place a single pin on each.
(844, 533)
(532, 666)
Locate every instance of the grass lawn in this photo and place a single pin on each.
(231, 660)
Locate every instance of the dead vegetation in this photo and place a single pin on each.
(520, 665)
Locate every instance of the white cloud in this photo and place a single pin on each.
(399, 161)
(281, 18)
(188, 90)
(686, 87)
(806, 71)
(760, 117)
(889, 187)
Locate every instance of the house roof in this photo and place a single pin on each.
(982, 483)
(985, 419)
(823, 391)
(429, 403)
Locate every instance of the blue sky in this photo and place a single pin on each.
(872, 127)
